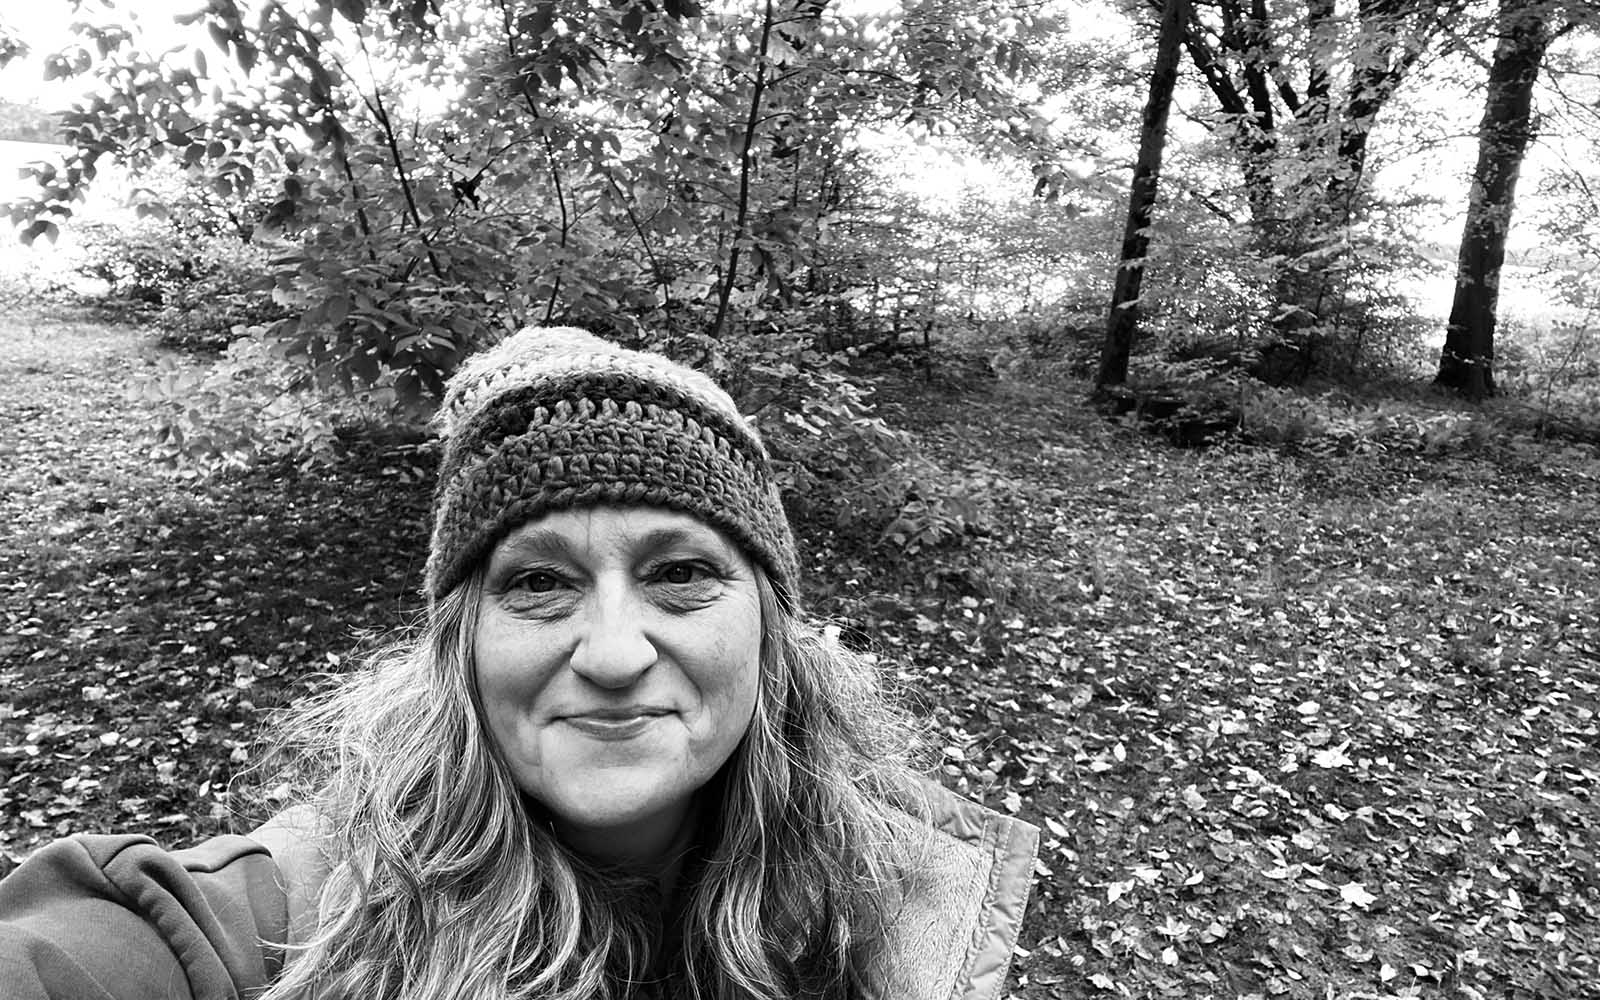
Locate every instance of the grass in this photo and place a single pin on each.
(1293, 723)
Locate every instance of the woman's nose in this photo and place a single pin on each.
(613, 650)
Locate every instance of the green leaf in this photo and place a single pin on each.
(337, 310)
(39, 228)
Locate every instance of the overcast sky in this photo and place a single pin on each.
(44, 25)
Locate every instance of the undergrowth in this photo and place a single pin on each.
(1306, 718)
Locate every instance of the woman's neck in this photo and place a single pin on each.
(654, 847)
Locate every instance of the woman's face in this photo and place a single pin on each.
(618, 656)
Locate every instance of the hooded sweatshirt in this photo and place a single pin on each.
(118, 918)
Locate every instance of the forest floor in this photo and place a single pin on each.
(1293, 725)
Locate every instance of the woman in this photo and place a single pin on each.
(616, 762)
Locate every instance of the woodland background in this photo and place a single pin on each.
(1183, 401)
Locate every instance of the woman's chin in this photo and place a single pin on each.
(615, 826)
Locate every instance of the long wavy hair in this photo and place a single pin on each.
(447, 882)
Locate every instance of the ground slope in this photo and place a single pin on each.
(1294, 725)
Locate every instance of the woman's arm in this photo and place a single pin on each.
(96, 917)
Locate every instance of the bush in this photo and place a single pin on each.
(827, 444)
(226, 294)
(138, 263)
(1333, 423)
(1190, 412)
(836, 460)
(932, 507)
(1062, 340)
(183, 260)
(249, 406)
(1554, 378)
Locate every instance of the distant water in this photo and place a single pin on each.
(1527, 295)
(106, 195)
(14, 156)
(1531, 302)
(43, 259)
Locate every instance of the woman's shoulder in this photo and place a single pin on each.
(118, 916)
(966, 892)
(297, 839)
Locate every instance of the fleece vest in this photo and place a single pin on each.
(118, 918)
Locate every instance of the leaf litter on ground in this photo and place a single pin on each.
(1292, 725)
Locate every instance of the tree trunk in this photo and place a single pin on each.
(1252, 126)
(1123, 322)
(1466, 363)
(747, 157)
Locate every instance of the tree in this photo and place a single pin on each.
(11, 46)
(1299, 89)
(1122, 323)
(432, 175)
(1467, 359)
(25, 122)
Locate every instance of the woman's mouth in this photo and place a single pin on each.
(615, 725)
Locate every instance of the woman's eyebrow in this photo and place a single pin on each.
(664, 538)
(536, 541)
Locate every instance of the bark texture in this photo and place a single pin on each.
(1466, 363)
(1123, 322)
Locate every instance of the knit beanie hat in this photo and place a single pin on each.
(555, 418)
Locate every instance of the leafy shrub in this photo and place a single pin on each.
(1277, 416)
(197, 284)
(829, 448)
(249, 406)
(229, 292)
(1367, 325)
(137, 262)
(1064, 340)
(1332, 422)
(933, 508)
(1189, 412)
(1554, 378)
(836, 459)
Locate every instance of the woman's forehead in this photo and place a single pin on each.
(602, 528)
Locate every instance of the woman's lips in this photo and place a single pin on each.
(614, 725)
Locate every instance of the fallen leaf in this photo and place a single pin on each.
(1357, 894)
(1331, 757)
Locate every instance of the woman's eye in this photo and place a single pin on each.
(537, 582)
(680, 573)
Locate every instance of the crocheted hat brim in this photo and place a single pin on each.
(602, 438)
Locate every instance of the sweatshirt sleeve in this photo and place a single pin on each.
(118, 918)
